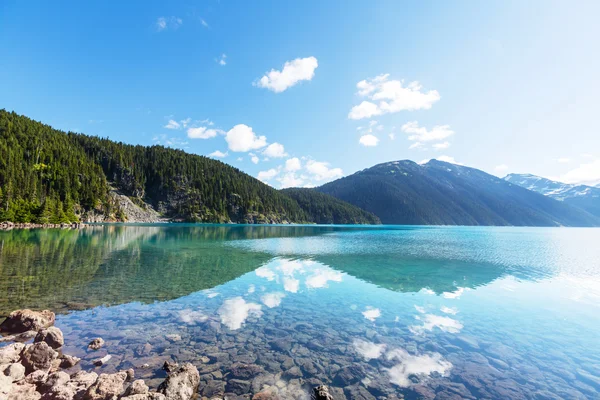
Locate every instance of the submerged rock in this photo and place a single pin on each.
(321, 393)
(38, 356)
(101, 361)
(27, 320)
(181, 384)
(52, 335)
(96, 344)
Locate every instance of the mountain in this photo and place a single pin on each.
(326, 209)
(50, 176)
(440, 193)
(582, 196)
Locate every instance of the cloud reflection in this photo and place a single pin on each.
(421, 366)
(272, 300)
(235, 311)
(372, 313)
(431, 321)
(368, 350)
(291, 273)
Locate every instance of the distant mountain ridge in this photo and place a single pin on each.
(440, 193)
(582, 196)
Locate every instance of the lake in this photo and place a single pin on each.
(383, 312)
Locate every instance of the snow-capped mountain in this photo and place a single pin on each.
(582, 196)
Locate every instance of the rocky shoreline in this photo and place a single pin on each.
(6, 225)
(33, 367)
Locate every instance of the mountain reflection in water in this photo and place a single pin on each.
(374, 312)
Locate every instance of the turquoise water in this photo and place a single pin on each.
(374, 312)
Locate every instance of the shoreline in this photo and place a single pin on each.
(34, 367)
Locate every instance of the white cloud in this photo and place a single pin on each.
(218, 154)
(222, 60)
(563, 160)
(163, 23)
(448, 159)
(170, 141)
(204, 23)
(272, 300)
(241, 138)
(290, 179)
(441, 146)
(392, 136)
(368, 140)
(254, 159)
(300, 69)
(501, 168)
(372, 313)
(321, 171)
(202, 132)
(172, 124)
(235, 311)
(431, 321)
(275, 150)
(421, 134)
(293, 164)
(267, 175)
(415, 145)
(390, 96)
(588, 173)
(368, 350)
(420, 365)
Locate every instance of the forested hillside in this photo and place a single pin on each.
(49, 176)
(326, 209)
(404, 192)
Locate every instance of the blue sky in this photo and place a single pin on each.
(504, 86)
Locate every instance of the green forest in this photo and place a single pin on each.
(51, 176)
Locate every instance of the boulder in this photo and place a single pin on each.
(137, 387)
(96, 343)
(321, 393)
(15, 371)
(106, 387)
(38, 356)
(67, 361)
(37, 377)
(24, 391)
(181, 384)
(27, 320)
(52, 335)
(6, 384)
(83, 380)
(58, 387)
(11, 353)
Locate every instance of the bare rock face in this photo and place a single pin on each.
(27, 320)
(181, 384)
(321, 393)
(11, 353)
(96, 344)
(52, 335)
(38, 356)
(107, 387)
